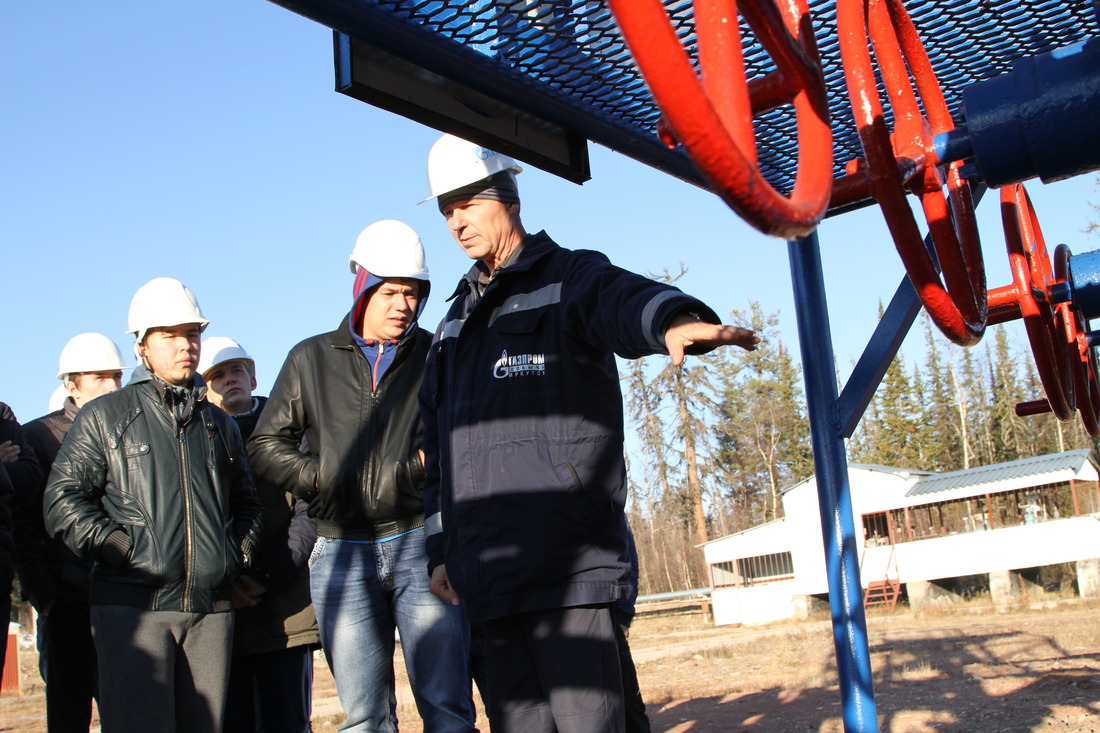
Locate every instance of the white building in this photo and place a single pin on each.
(918, 529)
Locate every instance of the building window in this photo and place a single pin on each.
(724, 574)
(752, 570)
(980, 513)
(876, 529)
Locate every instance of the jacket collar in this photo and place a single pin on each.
(141, 374)
(69, 409)
(533, 248)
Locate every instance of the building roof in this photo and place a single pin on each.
(903, 473)
(1053, 463)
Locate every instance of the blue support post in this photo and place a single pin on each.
(831, 466)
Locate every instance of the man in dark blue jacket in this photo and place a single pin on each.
(523, 424)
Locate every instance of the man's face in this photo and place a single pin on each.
(483, 228)
(390, 309)
(85, 387)
(172, 352)
(229, 385)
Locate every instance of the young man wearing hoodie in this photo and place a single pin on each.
(352, 395)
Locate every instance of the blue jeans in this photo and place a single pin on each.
(361, 592)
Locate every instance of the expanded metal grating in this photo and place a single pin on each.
(571, 51)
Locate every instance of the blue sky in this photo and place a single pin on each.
(204, 141)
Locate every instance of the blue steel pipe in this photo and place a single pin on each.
(834, 495)
(1083, 285)
(1038, 120)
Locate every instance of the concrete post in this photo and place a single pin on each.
(1088, 578)
(1004, 587)
(806, 606)
(925, 593)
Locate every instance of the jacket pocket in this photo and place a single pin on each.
(577, 494)
(140, 469)
(234, 557)
(146, 565)
(526, 321)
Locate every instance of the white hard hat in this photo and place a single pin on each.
(89, 352)
(454, 163)
(220, 349)
(389, 248)
(57, 399)
(162, 302)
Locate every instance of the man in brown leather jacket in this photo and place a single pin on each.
(271, 678)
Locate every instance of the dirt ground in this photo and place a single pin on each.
(967, 668)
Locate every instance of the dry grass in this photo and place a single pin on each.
(906, 646)
(967, 667)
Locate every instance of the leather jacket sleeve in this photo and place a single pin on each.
(245, 503)
(71, 503)
(273, 449)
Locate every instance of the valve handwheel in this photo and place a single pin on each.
(712, 116)
(903, 160)
(1086, 378)
(1028, 297)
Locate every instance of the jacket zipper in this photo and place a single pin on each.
(368, 470)
(374, 368)
(187, 523)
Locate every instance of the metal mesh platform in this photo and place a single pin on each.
(568, 60)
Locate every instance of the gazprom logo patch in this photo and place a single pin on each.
(520, 365)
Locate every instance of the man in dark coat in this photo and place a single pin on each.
(523, 433)
(271, 678)
(54, 579)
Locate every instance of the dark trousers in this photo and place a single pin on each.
(162, 671)
(71, 673)
(270, 692)
(636, 719)
(555, 671)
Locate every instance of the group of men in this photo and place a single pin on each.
(394, 481)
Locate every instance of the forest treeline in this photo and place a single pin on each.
(721, 438)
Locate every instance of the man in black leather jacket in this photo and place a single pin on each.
(352, 394)
(152, 483)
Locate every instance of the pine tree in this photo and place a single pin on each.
(941, 451)
(686, 387)
(763, 433)
(1006, 428)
